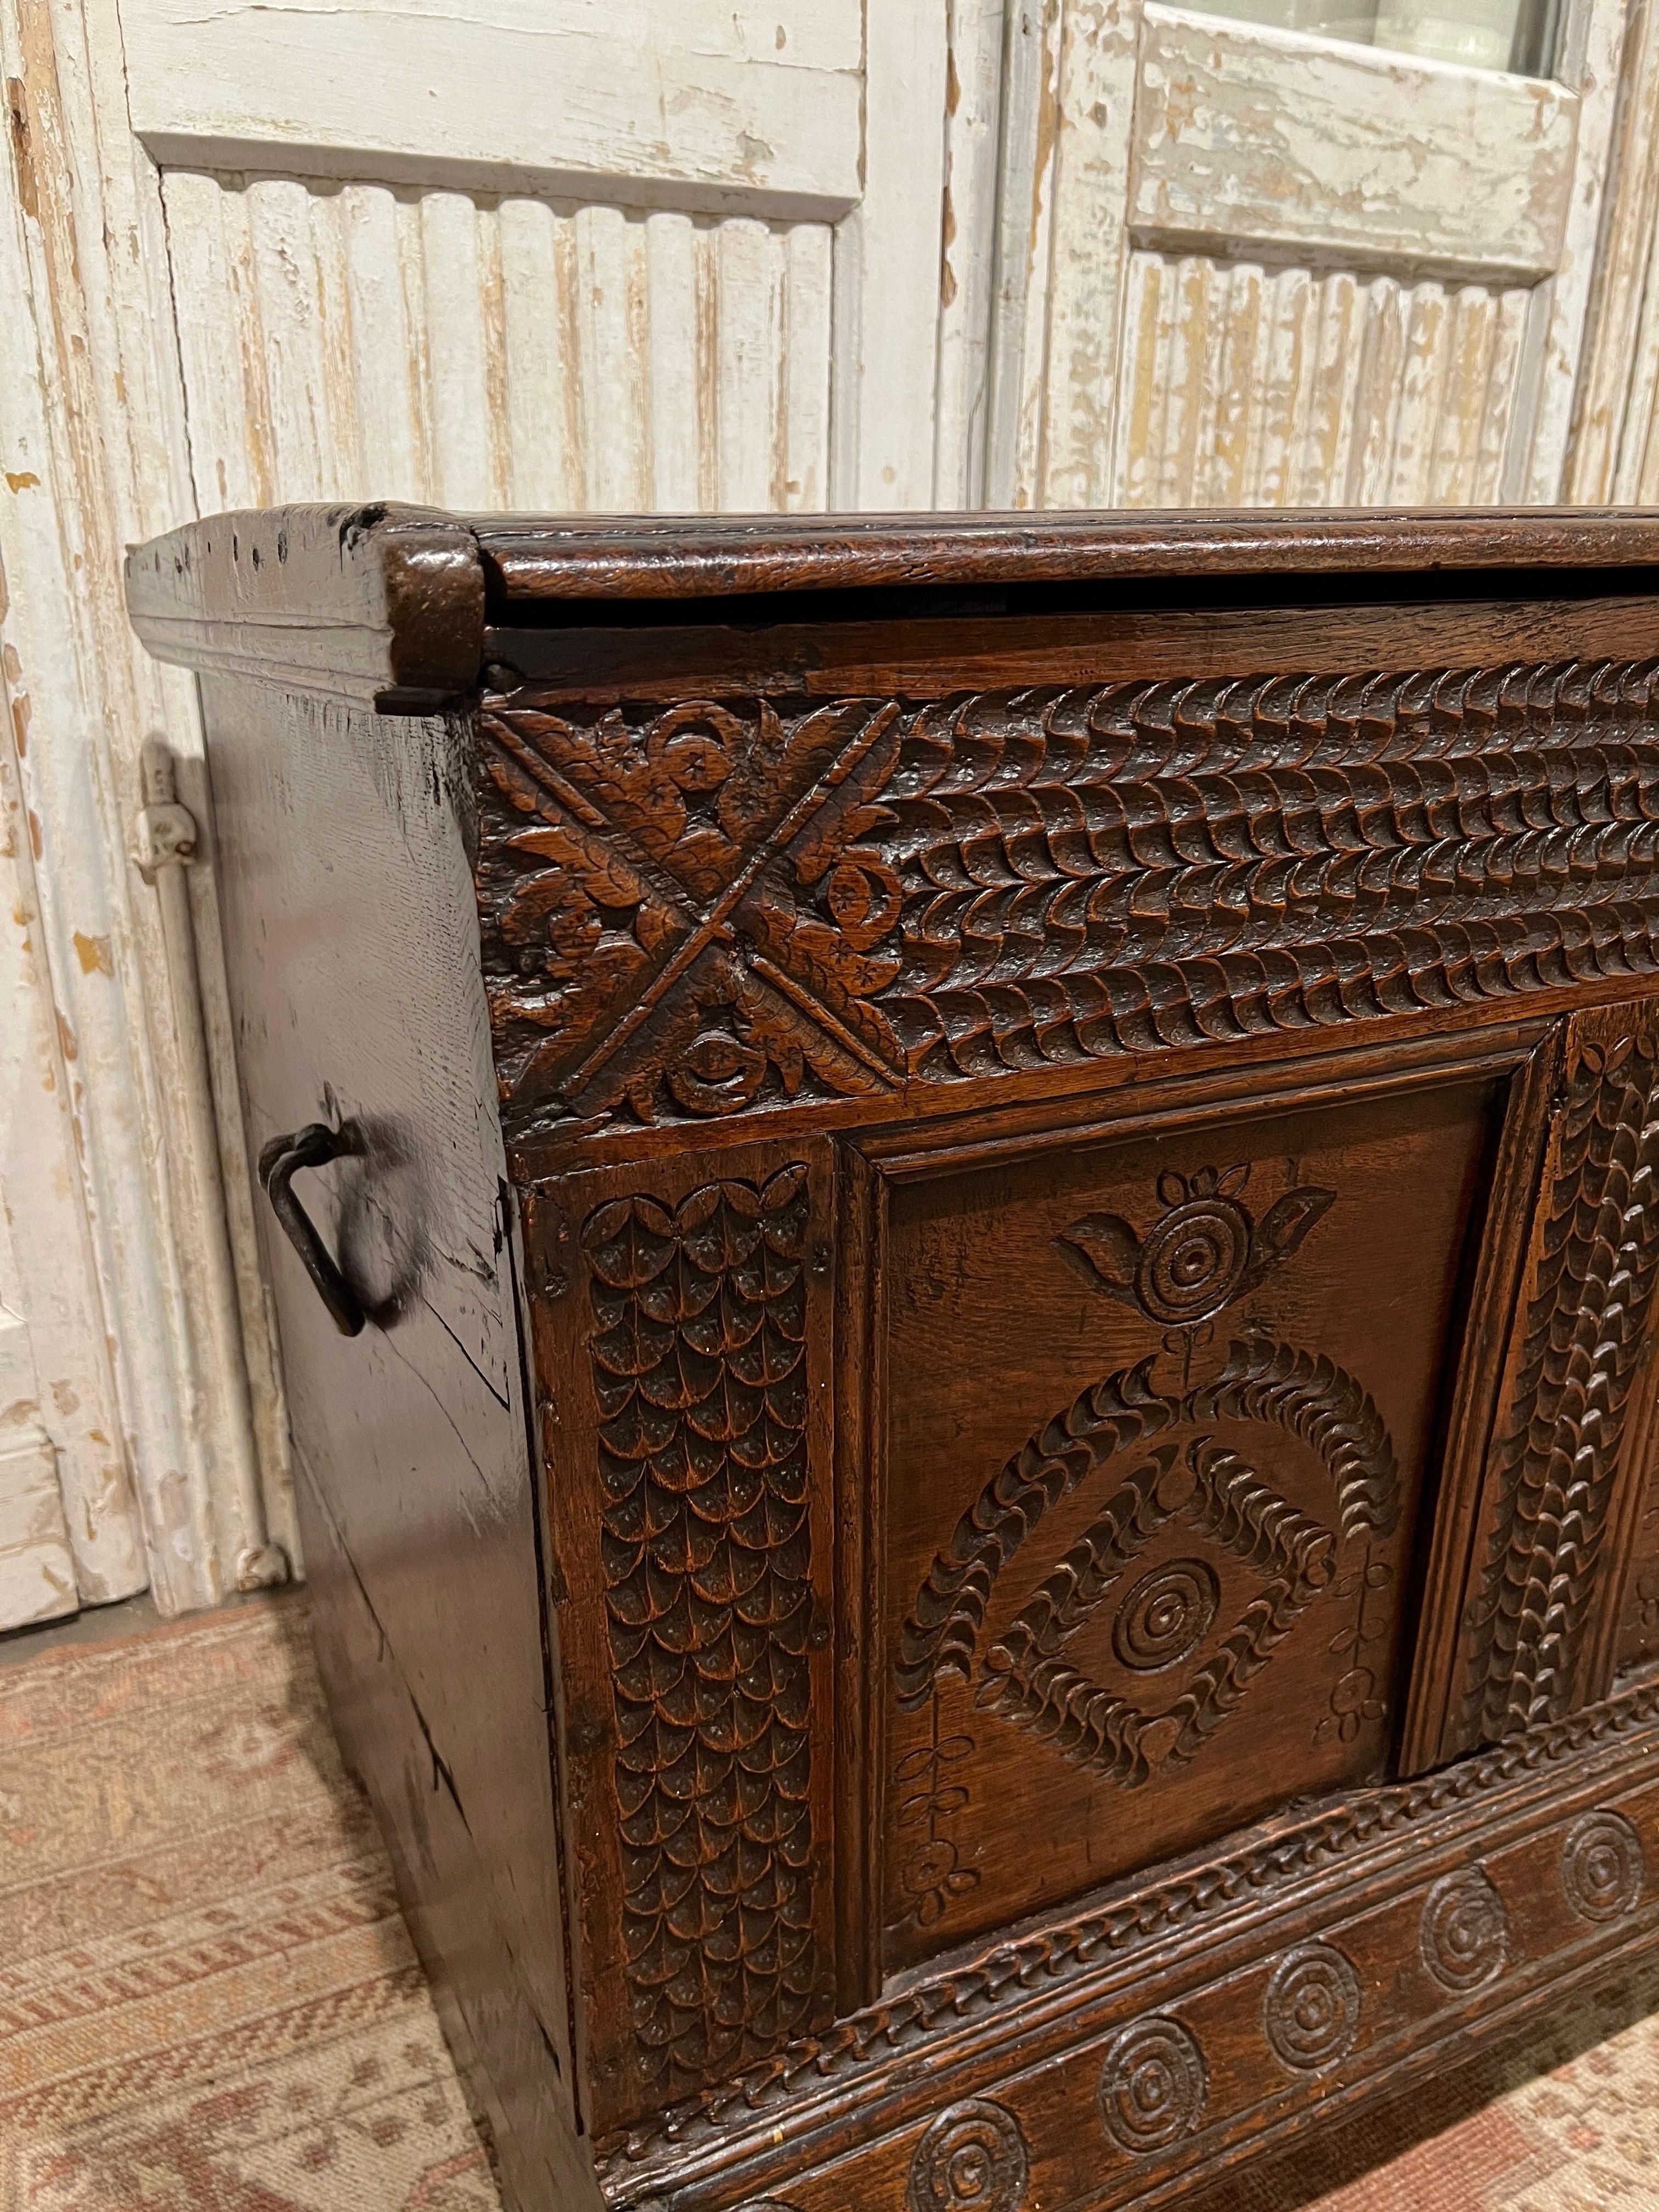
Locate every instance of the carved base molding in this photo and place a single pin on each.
(1313, 1965)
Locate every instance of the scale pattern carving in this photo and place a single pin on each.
(699, 1365)
(1555, 1460)
(697, 910)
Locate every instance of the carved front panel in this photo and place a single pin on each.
(1159, 1427)
(958, 1520)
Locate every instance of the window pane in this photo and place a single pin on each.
(1518, 35)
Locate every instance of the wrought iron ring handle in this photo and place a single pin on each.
(280, 1161)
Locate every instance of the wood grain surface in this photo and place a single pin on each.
(1015, 1522)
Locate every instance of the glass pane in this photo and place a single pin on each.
(1498, 34)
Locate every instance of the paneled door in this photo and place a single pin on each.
(550, 254)
(1244, 264)
(589, 254)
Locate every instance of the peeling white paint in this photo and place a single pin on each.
(357, 342)
(1239, 264)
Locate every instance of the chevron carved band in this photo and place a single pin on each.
(1563, 1461)
(709, 908)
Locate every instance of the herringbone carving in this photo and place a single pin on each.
(1556, 1457)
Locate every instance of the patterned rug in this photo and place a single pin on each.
(208, 2001)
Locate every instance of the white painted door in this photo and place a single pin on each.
(1242, 265)
(623, 254)
(562, 254)
(69, 1522)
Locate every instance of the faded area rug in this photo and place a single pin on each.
(208, 2000)
(208, 2003)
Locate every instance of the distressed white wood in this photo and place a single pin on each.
(62, 1459)
(1593, 44)
(1251, 386)
(1246, 133)
(38, 1578)
(82, 248)
(37, 1571)
(977, 32)
(1019, 352)
(1614, 402)
(1071, 459)
(887, 268)
(804, 486)
(350, 342)
(1636, 477)
(1238, 264)
(681, 102)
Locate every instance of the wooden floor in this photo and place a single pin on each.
(208, 2003)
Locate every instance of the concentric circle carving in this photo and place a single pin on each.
(972, 2158)
(1464, 1933)
(1166, 1615)
(1310, 2012)
(1193, 1260)
(1153, 2084)
(1602, 1867)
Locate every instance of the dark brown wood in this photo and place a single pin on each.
(679, 557)
(929, 656)
(993, 1539)
(702, 911)
(383, 603)
(346, 857)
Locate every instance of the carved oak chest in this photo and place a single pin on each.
(961, 1213)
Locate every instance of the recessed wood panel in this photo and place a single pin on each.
(1158, 1437)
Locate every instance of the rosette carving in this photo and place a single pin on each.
(972, 2158)
(1153, 2084)
(1602, 1867)
(1165, 1616)
(1464, 1931)
(1205, 1251)
(1310, 2010)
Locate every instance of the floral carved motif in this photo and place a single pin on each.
(699, 1366)
(1205, 1250)
(683, 910)
(706, 908)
